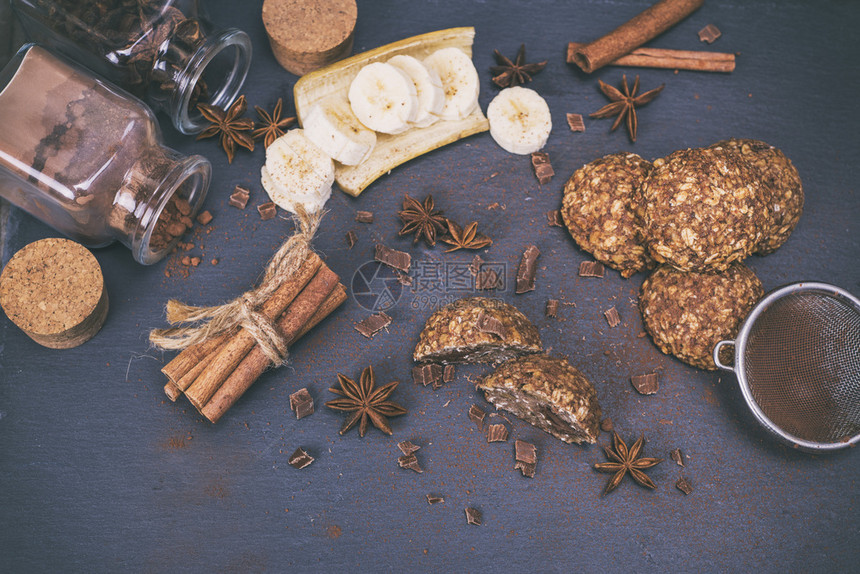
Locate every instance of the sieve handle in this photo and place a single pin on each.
(717, 350)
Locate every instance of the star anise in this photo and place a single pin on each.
(229, 125)
(624, 461)
(514, 73)
(468, 238)
(365, 402)
(624, 104)
(271, 127)
(421, 219)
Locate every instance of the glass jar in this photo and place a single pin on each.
(87, 159)
(162, 51)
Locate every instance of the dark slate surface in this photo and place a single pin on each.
(98, 472)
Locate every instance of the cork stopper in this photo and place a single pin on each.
(308, 34)
(54, 291)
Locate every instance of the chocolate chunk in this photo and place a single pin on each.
(239, 198)
(553, 218)
(186, 260)
(497, 433)
(183, 206)
(473, 516)
(646, 384)
(542, 167)
(300, 459)
(606, 425)
(475, 266)
(427, 374)
(525, 452)
(675, 454)
(267, 210)
(195, 261)
(410, 461)
(204, 218)
(448, 373)
(373, 324)
(528, 469)
(434, 499)
(399, 260)
(351, 238)
(487, 279)
(612, 317)
(591, 269)
(364, 216)
(684, 485)
(551, 307)
(489, 324)
(709, 33)
(406, 447)
(176, 229)
(527, 270)
(575, 122)
(302, 403)
(477, 416)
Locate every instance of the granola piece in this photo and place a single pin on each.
(687, 314)
(704, 209)
(549, 393)
(781, 186)
(603, 211)
(460, 333)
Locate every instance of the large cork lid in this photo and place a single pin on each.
(54, 291)
(308, 34)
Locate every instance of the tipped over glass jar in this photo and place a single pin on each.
(87, 158)
(163, 51)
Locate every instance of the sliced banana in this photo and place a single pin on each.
(428, 85)
(297, 172)
(332, 126)
(520, 121)
(383, 98)
(459, 80)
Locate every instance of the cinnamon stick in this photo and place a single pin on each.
(191, 356)
(695, 60)
(218, 367)
(255, 362)
(633, 33)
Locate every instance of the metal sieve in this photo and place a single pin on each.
(797, 361)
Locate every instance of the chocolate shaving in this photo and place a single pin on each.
(427, 374)
(543, 168)
(684, 485)
(554, 219)
(477, 416)
(410, 461)
(526, 468)
(399, 260)
(525, 452)
(675, 454)
(488, 324)
(591, 269)
(300, 459)
(240, 196)
(575, 122)
(364, 216)
(612, 317)
(487, 279)
(551, 307)
(373, 324)
(351, 238)
(302, 403)
(204, 218)
(434, 499)
(709, 33)
(645, 384)
(606, 425)
(267, 211)
(497, 433)
(527, 270)
(473, 516)
(475, 266)
(407, 448)
(448, 373)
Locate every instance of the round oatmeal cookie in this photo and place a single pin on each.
(603, 211)
(781, 185)
(703, 209)
(688, 313)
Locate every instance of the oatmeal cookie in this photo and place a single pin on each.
(688, 313)
(781, 185)
(603, 210)
(703, 209)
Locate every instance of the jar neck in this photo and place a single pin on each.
(198, 65)
(145, 205)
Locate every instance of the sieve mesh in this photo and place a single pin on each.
(802, 365)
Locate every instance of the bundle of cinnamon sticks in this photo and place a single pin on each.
(215, 373)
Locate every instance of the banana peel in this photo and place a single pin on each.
(390, 150)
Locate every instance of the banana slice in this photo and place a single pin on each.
(459, 80)
(519, 120)
(332, 126)
(428, 85)
(383, 98)
(297, 172)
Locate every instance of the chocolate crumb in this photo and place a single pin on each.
(406, 447)
(364, 216)
(645, 384)
(606, 425)
(488, 324)
(709, 33)
(526, 468)
(373, 324)
(195, 261)
(543, 168)
(553, 218)
(300, 459)
(527, 270)
(448, 373)
(186, 260)
(239, 198)
(487, 279)
(204, 218)
(434, 499)
(410, 461)
(475, 266)
(525, 452)
(404, 280)
(612, 316)
(575, 122)
(473, 516)
(684, 485)
(399, 260)
(591, 269)
(427, 374)
(267, 210)
(551, 307)
(214, 262)
(351, 238)
(675, 454)
(302, 403)
(497, 433)
(477, 416)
